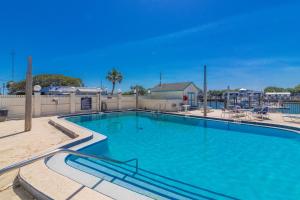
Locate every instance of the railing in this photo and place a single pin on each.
(62, 150)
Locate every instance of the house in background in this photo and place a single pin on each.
(244, 97)
(58, 90)
(176, 91)
(277, 96)
(296, 97)
(65, 90)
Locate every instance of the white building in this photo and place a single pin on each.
(276, 96)
(176, 91)
(244, 97)
(244, 94)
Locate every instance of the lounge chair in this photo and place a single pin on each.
(230, 111)
(225, 112)
(262, 113)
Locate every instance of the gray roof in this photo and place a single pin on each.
(172, 87)
(61, 89)
(69, 89)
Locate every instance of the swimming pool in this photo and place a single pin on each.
(192, 158)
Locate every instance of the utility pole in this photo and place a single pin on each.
(160, 77)
(13, 53)
(136, 97)
(205, 93)
(3, 88)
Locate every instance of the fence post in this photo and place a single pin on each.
(98, 102)
(136, 99)
(37, 104)
(72, 103)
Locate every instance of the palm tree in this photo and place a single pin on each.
(114, 77)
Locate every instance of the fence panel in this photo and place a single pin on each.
(128, 102)
(15, 105)
(159, 104)
(55, 104)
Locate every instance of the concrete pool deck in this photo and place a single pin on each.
(35, 178)
(16, 145)
(274, 118)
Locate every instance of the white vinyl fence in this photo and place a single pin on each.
(53, 105)
(159, 104)
(15, 104)
(45, 105)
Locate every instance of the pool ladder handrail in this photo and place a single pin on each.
(64, 150)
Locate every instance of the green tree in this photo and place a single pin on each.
(291, 90)
(274, 89)
(141, 90)
(44, 80)
(297, 89)
(114, 77)
(215, 93)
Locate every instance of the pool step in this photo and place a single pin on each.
(145, 182)
(169, 183)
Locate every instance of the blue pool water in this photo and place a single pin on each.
(217, 159)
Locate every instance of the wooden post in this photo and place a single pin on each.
(136, 98)
(205, 93)
(28, 101)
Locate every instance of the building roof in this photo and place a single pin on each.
(88, 90)
(59, 89)
(69, 89)
(172, 87)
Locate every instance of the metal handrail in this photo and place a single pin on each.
(63, 150)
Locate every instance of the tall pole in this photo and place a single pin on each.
(205, 93)
(136, 97)
(13, 53)
(160, 77)
(28, 101)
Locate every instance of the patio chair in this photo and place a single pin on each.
(262, 113)
(226, 112)
(230, 111)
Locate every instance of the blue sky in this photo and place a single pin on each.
(249, 44)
